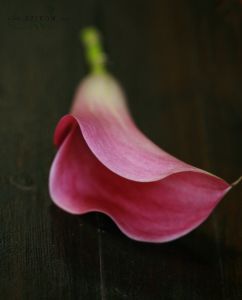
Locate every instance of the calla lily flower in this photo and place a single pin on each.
(106, 164)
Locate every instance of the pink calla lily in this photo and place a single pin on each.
(105, 164)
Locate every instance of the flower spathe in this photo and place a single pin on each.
(104, 163)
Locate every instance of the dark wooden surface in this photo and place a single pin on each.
(180, 64)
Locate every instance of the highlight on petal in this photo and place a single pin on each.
(105, 164)
(100, 110)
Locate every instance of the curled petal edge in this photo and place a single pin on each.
(65, 124)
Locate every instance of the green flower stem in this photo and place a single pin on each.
(95, 56)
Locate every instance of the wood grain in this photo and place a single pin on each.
(180, 64)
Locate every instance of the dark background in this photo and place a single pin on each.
(180, 65)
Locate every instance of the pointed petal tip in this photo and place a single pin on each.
(236, 182)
